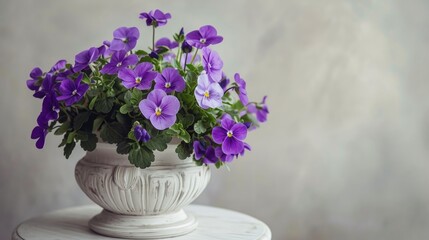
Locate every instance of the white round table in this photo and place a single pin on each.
(72, 223)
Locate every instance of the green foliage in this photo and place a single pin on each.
(80, 119)
(104, 105)
(90, 143)
(141, 156)
(177, 130)
(123, 147)
(113, 132)
(63, 128)
(200, 127)
(68, 149)
(158, 142)
(184, 150)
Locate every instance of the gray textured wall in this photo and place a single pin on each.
(345, 152)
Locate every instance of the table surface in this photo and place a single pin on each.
(72, 223)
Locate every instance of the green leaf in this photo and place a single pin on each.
(199, 127)
(186, 120)
(141, 157)
(141, 52)
(123, 147)
(92, 103)
(184, 150)
(68, 149)
(113, 132)
(82, 136)
(90, 144)
(184, 135)
(136, 97)
(178, 130)
(158, 143)
(80, 119)
(218, 164)
(63, 128)
(97, 123)
(70, 137)
(126, 109)
(104, 105)
(127, 97)
(64, 141)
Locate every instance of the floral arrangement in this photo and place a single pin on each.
(140, 100)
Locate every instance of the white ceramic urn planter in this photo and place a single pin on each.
(141, 203)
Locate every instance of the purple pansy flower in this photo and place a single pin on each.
(119, 61)
(60, 65)
(261, 110)
(50, 107)
(84, 58)
(206, 154)
(155, 18)
(231, 135)
(241, 89)
(222, 156)
(208, 94)
(224, 82)
(39, 132)
(35, 74)
(186, 48)
(170, 80)
(124, 39)
(165, 42)
(48, 87)
(141, 77)
(72, 91)
(204, 37)
(160, 109)
(141, 134)
(212, 64)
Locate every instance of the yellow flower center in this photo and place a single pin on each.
(158, 111)
(229, 134)
(206, 94)
(167, 85)
(138, 80)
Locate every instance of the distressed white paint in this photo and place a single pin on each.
(141, 202)
(214, 223)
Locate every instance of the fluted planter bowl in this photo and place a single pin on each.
(141, 203)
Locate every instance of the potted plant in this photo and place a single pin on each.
(151, 121)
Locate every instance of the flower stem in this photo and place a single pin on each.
(153, 38)
(233, 87)
(193, 58)
(184, 65)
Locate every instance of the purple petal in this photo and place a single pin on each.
(232, 146)
(36, 72)
(142, 68)
(208, 31)
(117, 45)
(170, 105)
(156, 96)
(214, 40)
(40, 142)
(130, 60)
(128, 77)
(227, 123)
(219, 134)
(162, 121)
(37, 132)
(239, 131)
(147, 108)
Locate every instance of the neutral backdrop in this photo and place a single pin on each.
(344, 154)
